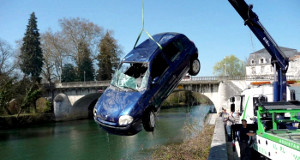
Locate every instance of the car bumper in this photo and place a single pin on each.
(113, 128)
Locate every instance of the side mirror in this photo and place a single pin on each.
(155, 81)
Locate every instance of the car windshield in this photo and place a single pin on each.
(132, 76)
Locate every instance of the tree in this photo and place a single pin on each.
(85, 63)
(230, 66)
(6, 94)
(5, 58)
(32, 94)
(31, 58)
(54, 53)
(68, 73)
(108, 57)
(76, 30)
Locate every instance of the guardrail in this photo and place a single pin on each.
(82, 84)
(249, 78)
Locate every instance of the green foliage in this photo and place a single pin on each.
(197, 147)
(108, 57)
(31, 58)
(6, 94)
(85, 63)
(68, 73)
(32, 94)
(230, 66)
(43, 105)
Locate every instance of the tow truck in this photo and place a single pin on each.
(275, 119)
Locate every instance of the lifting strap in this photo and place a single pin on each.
(145, 30)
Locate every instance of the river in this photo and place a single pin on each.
(83, 139)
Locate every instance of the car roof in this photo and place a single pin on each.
(144, 51)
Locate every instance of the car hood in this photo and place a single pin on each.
(114, 103)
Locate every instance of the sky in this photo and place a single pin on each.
(213, 25)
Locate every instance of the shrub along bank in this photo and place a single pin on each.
(25, 120)
(195, 148)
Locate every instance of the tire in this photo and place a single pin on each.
(148, 119)
(194, 67)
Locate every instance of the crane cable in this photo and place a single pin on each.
(143, 30)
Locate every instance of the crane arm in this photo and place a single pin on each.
(279, 60)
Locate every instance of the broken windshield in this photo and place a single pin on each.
(132, 76)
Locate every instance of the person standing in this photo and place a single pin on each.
(225, 116)
(236, 116)
(229, 123)
(244, 134)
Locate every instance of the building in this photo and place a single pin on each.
(259, 63)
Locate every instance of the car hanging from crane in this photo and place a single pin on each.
(146, 76)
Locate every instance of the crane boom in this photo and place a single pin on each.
(279, 60)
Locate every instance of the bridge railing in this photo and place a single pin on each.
(249, 78)
(203, 78)
(82, 84)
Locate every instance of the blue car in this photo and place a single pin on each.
(146, 76)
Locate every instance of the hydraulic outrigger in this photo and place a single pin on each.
(277, 133)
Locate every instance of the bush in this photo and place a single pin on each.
(43, 105)
(194, 148)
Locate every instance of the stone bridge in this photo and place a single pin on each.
(75, 100)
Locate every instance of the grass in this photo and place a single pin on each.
(195, 148)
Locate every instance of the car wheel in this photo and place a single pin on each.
(195, 67)
(149, 120)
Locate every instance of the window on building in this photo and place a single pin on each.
(261, 61)
(253, 70)
(252, 61)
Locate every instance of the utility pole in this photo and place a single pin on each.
(84, 76)
(225, 69)
(60, 70)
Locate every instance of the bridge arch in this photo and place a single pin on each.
(74, 107)
(84, 106)
(217, 91)
(210, 100)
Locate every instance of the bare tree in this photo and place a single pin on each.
(55, 51)
(6, 53)
(76, 30)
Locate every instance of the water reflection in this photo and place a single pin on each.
(85, 140)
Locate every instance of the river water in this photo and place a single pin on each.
(85, 140)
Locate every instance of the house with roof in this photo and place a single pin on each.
(259, 63)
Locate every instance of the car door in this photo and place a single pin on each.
(173, 52)
(160, 75)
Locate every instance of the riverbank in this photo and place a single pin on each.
(197, 147)
(25, 120)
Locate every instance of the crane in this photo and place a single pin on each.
(278, 60)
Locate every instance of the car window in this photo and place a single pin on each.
(172, 50)
(159, 65)
(131, 76)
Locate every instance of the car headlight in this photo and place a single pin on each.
(94, 112)
(125, 120)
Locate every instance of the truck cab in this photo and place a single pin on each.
(258, 92)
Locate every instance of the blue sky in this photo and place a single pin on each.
(213, 25)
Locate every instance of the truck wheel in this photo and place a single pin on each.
(149, 119)
(194, 67)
